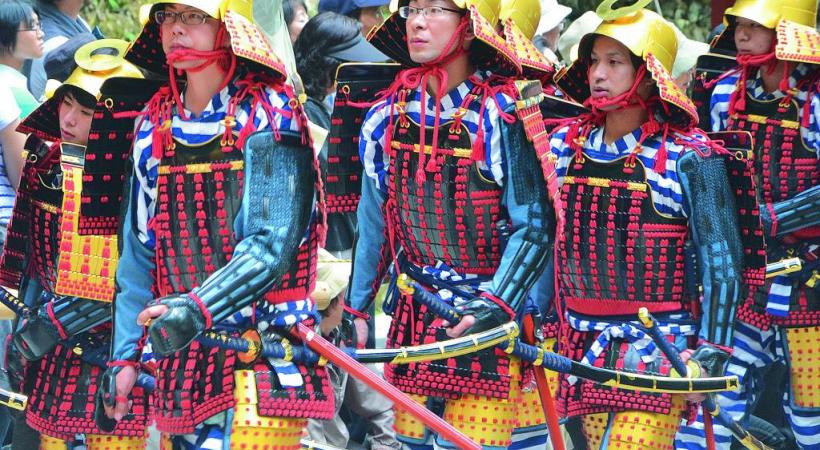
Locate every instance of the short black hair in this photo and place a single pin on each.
(289, 9)
(314, 66)
(13, 13)
(84, 98)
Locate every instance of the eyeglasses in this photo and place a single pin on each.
(33, 27)
(186, 17)
(429, 12)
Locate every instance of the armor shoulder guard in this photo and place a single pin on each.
(109, 147)
(358, 85)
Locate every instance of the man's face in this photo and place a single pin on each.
(75, 120)
(177, 35)
(427, 36)
(752, 38)
(610, 69)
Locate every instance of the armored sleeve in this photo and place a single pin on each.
(369, 256)
(531, 219)
(716, 236)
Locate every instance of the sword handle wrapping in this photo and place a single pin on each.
(428, 299)
(13, 400)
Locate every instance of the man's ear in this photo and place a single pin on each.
(469, 34)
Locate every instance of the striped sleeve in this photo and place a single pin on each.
(494, 161)
(813, 133)
(371, 143)
(719, 103)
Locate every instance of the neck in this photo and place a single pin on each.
(9, 60)
(202, 86)
(622, 122)
(71, 8)
(458, 70)
(771, 80)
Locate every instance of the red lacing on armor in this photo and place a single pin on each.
(484, 89)
(420, 76)
(747, 63)
(209, 319)
(57, 324)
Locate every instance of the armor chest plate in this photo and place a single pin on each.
(453, 216)
(198, 195)
(618, 252)
(783, 162)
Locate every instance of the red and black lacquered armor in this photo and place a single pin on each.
(617, 254)
(451, 217)
(784, 166)
(199, 191)
(610, 213)
(60, 385)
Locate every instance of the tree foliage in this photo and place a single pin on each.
(116, 18)
(120, 18)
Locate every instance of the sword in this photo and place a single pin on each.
(399, 398)
(783, 267)
(709, 405)
(558, 363)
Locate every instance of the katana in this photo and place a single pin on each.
(356, 369)
(607, 377)
(709, 405)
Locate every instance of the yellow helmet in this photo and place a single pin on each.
(524, 13)
(490, 49)
(642, 32)
(97, 62)
(520, 20)
(794, 21)
(248, 40)
(649, 37)
(770, 12)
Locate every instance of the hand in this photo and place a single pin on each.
(112, 397)
(485, 315)
(458, 330)
(173, 323)
(362, 332)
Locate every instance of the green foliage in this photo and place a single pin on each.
(691, 16)
(116, 18)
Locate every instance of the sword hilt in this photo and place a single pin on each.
(708, 403)
(409, 287)
(14, 303)
(783, 267)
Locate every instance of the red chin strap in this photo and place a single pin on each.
(419, 76)
(220, 55)
(747, 63)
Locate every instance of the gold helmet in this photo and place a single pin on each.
(97, 62)
(519, 18)
(794, 20)
(248, 41)
(647, 36)
(525, 14)
(489, 48)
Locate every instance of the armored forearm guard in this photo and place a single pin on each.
(713, 223)
(58, 320)
(795, 214)
(532, 239)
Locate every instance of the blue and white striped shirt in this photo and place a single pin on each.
(719, 103)
(666, 188)
(10, 112)
(371, 145)
(196, 130)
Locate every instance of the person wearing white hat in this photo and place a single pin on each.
(550, 26)
(571, 37)
(332, 277)
(689, 50)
